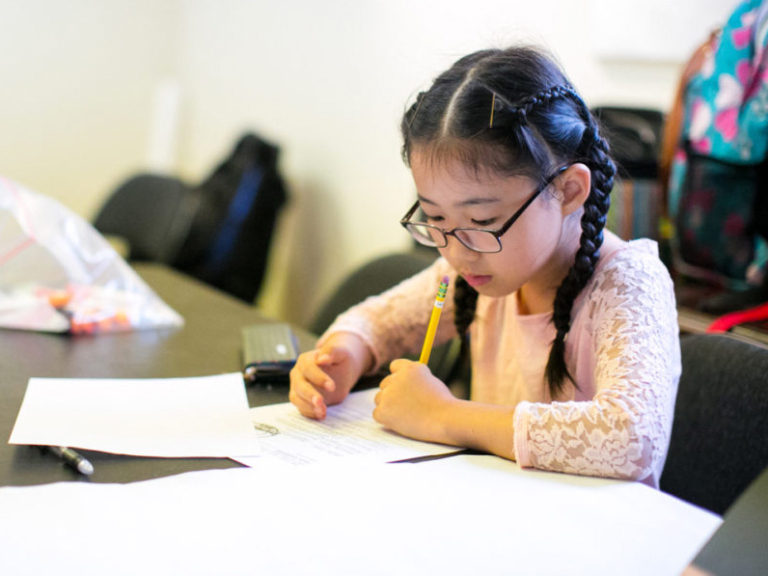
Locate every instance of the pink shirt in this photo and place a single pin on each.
(623, 350)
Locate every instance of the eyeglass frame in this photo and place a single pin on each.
(405, 221)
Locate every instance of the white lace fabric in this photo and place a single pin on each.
(623, 430)
(622, 350)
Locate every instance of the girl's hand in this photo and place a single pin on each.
(413, 402)
(324, 376)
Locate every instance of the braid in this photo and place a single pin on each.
(594, 151)
(543, 97)
(465, 301)
(526, 115)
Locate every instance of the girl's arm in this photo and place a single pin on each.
(393, 324)
(414, 403)
(624, 431)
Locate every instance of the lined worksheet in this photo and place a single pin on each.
(348, 430)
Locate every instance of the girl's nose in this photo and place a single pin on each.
(456, 253)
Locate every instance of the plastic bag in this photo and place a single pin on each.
(58, 274)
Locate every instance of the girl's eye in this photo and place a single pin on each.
(484, 223)
(433, 218)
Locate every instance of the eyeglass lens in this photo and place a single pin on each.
(479, 240)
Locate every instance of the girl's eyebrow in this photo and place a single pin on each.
(469, 202)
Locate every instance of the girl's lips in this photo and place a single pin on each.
(476, 281)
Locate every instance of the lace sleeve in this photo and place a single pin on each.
(623, 432)
(394, 323)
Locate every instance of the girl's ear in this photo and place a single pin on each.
(574, 186)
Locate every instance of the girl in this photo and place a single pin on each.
(573, 332)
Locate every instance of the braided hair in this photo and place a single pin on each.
(514, 112)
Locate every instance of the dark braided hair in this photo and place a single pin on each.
(514, 112)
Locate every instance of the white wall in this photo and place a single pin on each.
(78, 78)
(327, 81)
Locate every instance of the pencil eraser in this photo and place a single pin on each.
(446, 279)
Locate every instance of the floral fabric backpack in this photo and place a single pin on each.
(716, 174)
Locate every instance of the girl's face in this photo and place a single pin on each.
(536, 251)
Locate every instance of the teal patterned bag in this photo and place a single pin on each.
(714, 180)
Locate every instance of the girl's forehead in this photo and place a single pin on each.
(454, 182)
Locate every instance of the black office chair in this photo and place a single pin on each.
(152, 213)
(371, 278)
(377, 276)
(719, 441)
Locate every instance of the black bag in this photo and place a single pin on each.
(230, 235)
(634, 135)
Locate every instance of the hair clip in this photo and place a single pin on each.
(493, 107)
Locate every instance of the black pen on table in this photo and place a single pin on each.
(72, 459)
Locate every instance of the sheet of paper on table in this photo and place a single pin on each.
(348, 431)
(165, 417)
(460, 515)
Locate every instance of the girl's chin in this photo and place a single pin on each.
(492, 289)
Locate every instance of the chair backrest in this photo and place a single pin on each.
(377, 276)
(719, 441)
(374, 277)
(150, 212)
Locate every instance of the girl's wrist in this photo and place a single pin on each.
(483, 427)
(448, 422)
(360, 355)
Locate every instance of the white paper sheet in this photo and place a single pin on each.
(461, 515)
(348, 431)
(168, 417)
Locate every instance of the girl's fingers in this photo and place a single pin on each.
(314, 375)
(310, 383)
(308, 400)
(303, 389)
(329, 355)
(399, 364)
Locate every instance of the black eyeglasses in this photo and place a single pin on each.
(477, 239)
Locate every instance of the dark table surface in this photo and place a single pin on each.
(209, 343)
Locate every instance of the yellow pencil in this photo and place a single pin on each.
(434, 320)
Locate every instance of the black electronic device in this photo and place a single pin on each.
(269, 352)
